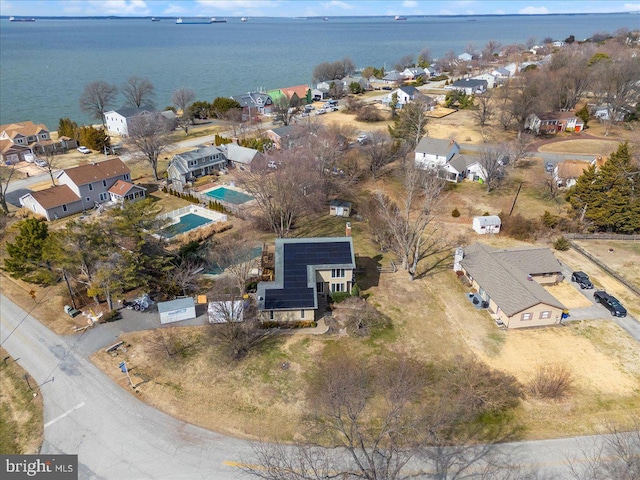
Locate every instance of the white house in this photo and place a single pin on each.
(470, 86)
(405, 94)
(413, 73)
(434, 153)
(465, 57)
(486, 224)
(490, 79)
(462, 167)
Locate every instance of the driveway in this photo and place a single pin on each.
(596, 311)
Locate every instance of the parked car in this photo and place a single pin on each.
(362, 138)
(321, 111)
(84, 150)
(309, 107)
(72, 312)
(610, 302)
(548, 167)
(41, 163)
(581, 279)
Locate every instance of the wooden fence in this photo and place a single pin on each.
(602, 236)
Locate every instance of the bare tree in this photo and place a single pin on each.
(139, 91)
(97, 98)
(615, 455)
(519, 148)
(408, 219)
(184, 278)
(527, 96)
(379, 150)
(284, 109)
(6, 174)
(287, 192)
(492, 46)
(48, 156)
(484, 112)
(617, 82)
(236, 257)
(491, 164)
(182, 99)
(405, 62)
(148, 135)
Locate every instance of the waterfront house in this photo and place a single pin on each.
(470, 86)
(119, 121)
(432, 153)
(413, 73)
(186, 167)
(465, 57)
(405, 93)
(393, 77)
(298, 95)
(510, 282)
(490, 79)
(283, 137)
(253, 103)
(306, 272)
(553, 122)
(18, 140)
(81, 188)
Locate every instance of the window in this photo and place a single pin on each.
(64, 208)
(104, 183)
(546, 314)
(320, 287)
(126, 176)
(91, 187)
(337, 273)
(193, 163)
(104, 196)
(88, 200)
(302, 314)
(271, 315)
(527, 316)
(337, 287)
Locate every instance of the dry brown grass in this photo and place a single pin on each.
(581, 146)
(621, 256)
(21, 414)
(568, 295)
(552, 381)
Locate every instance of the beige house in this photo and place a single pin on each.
(510, 282)
(21, 138)
(307, 272)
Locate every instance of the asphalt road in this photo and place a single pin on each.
(116, 436)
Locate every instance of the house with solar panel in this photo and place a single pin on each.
(307, 271)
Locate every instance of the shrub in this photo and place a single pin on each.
(369, 113)
(562, 244)
(519, 227)
(551, 381)
(486, 214)
(455, 213)
(355, 290)
(549, 220)
(338, 297)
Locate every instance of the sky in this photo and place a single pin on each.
(304, 8)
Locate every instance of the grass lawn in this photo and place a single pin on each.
(21, 414)
(621, 256)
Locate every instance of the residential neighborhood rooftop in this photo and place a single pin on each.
(434, 146)
(55, 196)
(93, 172)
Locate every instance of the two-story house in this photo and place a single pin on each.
(433, 153)
(119, 121)
(470, 86)
(186, 167)
(553, 122)
(253, 103)
(83, 187)
(20, 139)
(307, 271)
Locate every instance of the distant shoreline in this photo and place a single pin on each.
(113, 17)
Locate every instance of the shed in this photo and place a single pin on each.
(486, 224)
(177, 310)
(339, 208)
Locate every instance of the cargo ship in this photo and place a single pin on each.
(398, 17)
(199, 21)
(21, 19)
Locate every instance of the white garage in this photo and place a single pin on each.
(177, 310)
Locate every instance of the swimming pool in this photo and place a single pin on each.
(187, 222)
(228, 195)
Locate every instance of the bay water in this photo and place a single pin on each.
(44, 65)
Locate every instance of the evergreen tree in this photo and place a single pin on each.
(25, 259)
(67, 128)
(609, 198)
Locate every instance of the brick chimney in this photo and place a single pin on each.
(347, 230)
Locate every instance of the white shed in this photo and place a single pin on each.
(486, 224)
(177, 310)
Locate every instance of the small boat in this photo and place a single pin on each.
(21, 19)
(218, 20)
(154, 19)
(398, 17)
(244, 19)
(325, 19)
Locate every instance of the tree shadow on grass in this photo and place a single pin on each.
(367, 271)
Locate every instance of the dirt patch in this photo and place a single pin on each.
(568, 295)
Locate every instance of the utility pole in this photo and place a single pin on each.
(123, 367)
(513, 205)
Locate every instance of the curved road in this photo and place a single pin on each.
(118, 437)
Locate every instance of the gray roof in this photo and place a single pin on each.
(393, 76)
(238, 154)
(283, 131)
(198, 153)
(409, 90)
(175, 304)
(470, 83)
(434, 146)
(129, 112)
(486, 220)
(250, 99)
(503, 275)
(461, 162)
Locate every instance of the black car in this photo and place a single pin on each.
(610, 302)
(581, 279)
